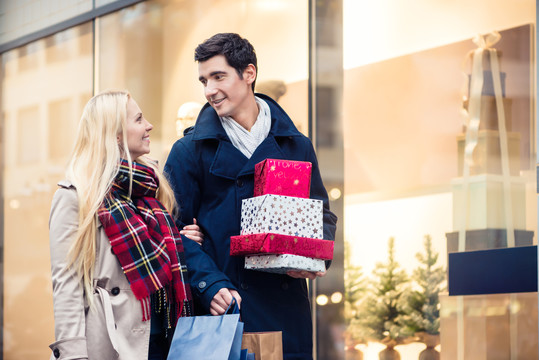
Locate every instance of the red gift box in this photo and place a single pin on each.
(269, 243)
(283, 177)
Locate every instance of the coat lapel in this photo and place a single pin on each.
(268, 149)
(228, 161)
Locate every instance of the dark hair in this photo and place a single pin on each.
(238, 52)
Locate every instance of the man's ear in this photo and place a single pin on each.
(249, 74)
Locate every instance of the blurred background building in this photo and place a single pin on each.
(379, 87)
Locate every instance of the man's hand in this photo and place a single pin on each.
(305, 274)
(222, 300)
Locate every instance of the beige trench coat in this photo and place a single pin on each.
(113, 328)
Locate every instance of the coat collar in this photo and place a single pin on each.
(208, 125)
(66, 184)
(228, 161)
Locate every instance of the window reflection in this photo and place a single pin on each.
(403, 134)
(44, 87)
(149, 49)
(28, 135)
(405, 144)
(327, 90)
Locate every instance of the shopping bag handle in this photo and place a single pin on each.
(233, 307)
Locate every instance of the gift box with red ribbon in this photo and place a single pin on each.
(269, 243)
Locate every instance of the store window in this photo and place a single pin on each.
(326, 104)
(421, 181)
(45, 85)
(148, 49)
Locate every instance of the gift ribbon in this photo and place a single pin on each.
(485, 44)
(508, 203)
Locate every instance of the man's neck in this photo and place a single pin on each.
(247, 117)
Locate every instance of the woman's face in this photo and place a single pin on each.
(137, 130)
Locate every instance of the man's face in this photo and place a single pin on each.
(226, 92)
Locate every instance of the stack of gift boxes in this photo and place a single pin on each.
(489, 334)
(281, 228)
(483, 200)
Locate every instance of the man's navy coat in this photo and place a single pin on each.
(210, 177)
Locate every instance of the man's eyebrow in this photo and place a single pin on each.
(218, 72)
(213, 73)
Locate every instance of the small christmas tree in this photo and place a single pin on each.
(354, 292)
(421, 307)
(379, 311)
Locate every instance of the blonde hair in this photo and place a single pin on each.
(92, 169)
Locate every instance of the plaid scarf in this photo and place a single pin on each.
(147, 243)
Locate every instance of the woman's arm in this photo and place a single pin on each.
(68, 298)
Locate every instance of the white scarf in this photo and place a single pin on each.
(244, 140)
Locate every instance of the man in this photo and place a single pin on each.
(212, 169)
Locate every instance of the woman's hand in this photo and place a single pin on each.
(193, 232)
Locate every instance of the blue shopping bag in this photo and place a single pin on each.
(208, 337)
(245, 355)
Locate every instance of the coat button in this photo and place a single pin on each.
(284, 286)
(56, 353)
(202, 284)
(115, 291)
(244, 286)
(239, 182)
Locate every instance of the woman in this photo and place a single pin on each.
(118, 270)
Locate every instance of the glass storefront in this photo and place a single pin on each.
(45, 85)
(149, 49)
(383, 89)
(326, 78)
(431, 170)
